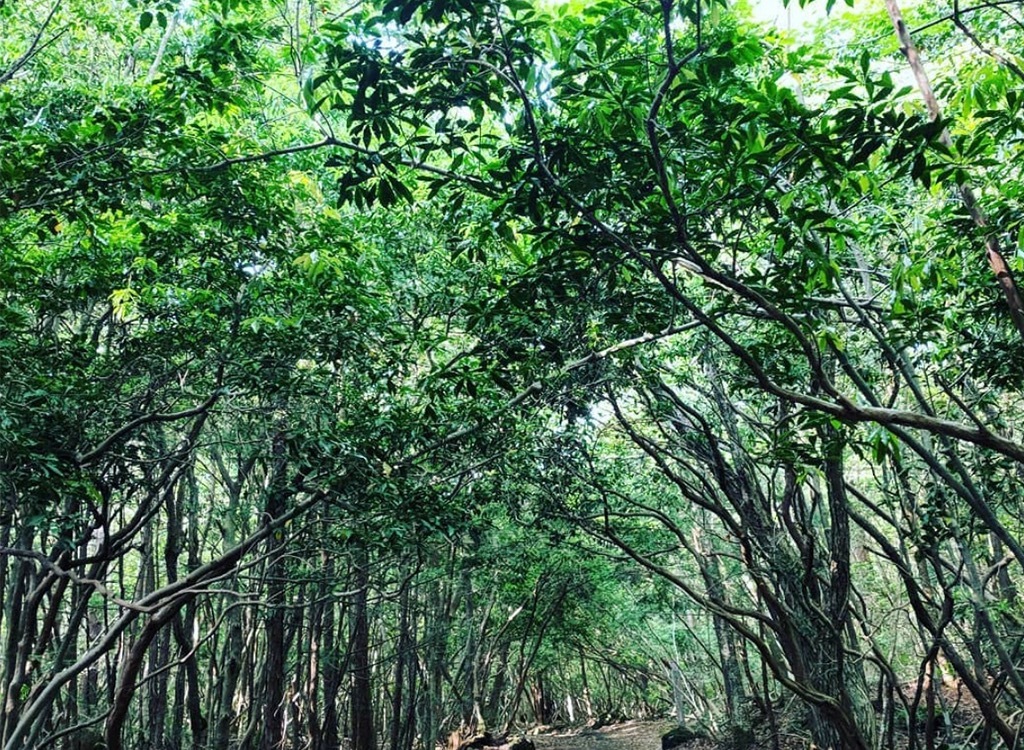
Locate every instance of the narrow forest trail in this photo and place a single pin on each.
(633, 735)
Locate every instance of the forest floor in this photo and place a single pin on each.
(966, 720)
(637, 735)
(631, 735)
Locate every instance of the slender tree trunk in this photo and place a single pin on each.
(493, 705)
(333, 673)
(159, 657)
(225, 687)
(227, 683)
(297, 698)
(401, 661)
(361, 700)
(468, 673)
(7, 508)
(311, 690)
(854, 697)
(527, 660)
(20, 635)
(272, 736)
(128, 674)
(588, 706)
(725, 636)
(184, 624)
(437, 619)
(409, 655)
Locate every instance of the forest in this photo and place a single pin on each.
(375, 374)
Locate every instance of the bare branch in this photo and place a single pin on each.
(995, 54)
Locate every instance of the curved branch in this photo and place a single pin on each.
(89, 456)
(174, 595)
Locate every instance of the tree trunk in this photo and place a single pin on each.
(398, 697)
(361, 699)
(272, 736)
(436, 627)
(333, 673)
(725, 636)
(21, 618)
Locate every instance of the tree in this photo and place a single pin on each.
(313, 315)
(740, 208)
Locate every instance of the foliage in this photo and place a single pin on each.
(457, 363)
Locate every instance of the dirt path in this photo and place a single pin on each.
(633, 735)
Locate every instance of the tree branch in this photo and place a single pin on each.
(175, 594)
(329, 142)
(35, 47)
(89, 456)
(993, 249)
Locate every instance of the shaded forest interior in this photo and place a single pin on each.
(388, 375)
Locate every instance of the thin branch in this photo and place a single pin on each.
(89, 456)
(261, 157)
(51, 740)
(329, 141)
(35, 47)
(651, 122)
(996, 4)
(992, 245)
(538, 387)
(47, 564)
(165, 38)
(174, 594)
(993, 53)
